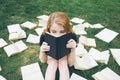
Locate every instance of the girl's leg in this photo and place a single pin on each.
(51, 69)
(63, 68)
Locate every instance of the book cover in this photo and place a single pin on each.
(57, 45)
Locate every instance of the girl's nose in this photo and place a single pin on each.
(57, 34)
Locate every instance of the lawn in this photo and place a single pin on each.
(105, 12)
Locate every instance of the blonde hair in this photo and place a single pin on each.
(59, 18)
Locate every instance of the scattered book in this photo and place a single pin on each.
(57, 45)
(75, 76)
(32, 72)
(77, 20)
(87, 41)
(80, 50)
(2, 42)
(14, 28)
(33, 39)
(2, 78)
(42, 23)
(15, 32)
(116, 54)
(102, 57)
(29, 25)
(106, 35)
(17, 35)
(79, 29)
(43, 17)
(85, 63)
(106, 74)
(39, 31)
(87, 25)
(15, 48)
(98, 25)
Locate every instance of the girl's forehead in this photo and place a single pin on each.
(57, 27)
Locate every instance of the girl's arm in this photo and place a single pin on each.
(71, 57)
(44, 47)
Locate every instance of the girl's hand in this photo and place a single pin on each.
(71, 44)
(44, 47)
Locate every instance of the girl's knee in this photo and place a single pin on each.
(52, 62)
(63, 62)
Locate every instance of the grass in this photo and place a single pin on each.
(105, 12)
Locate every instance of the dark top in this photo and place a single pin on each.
(57, 44)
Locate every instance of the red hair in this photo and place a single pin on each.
(59, 18)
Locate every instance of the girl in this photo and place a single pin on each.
(58, 25)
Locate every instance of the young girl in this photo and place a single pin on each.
(58, 25)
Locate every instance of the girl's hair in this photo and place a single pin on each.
(59, 18)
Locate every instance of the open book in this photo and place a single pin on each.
(2, 78)
(2, 42)
(32, 72)
(33, 39)
(57, 45)
(14, 48)
(106, 74)
(102, 57)
(29, 25)
(85, 62)
(116, 54)
(106, 35)
(87, 41)
(75, 76)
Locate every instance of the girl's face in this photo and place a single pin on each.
(57, 30)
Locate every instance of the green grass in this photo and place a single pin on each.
(105, 12)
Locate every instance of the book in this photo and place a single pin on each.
(14, 28)
(80, 50)
(85, 62)
(98, 25)
(77, 20)
(57, 45)
(17, 35)
(75, 76)
(87, 41)
(79, 29)
(2, 42)
(29, 25)
(33, 39)
(39, 30)
(15, 48)
(43, 17)
(106, 74)
(2, 78)
(102, 57)
(106, 35)
(42, 23)
(32, 72)
(116, 54)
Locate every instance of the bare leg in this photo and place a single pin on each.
(63, 68)
(51, 69)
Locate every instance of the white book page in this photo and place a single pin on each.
(2, 42)
(76, 77)
(14, 28)
(11, 49)
(33, 39)
(21, 46)
(110, 74)
(106, 35)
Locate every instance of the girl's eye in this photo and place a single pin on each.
(53, 31)
(62, 31)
